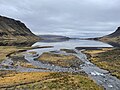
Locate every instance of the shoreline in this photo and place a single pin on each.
(92, 48)
(59, 77)
(88, 67)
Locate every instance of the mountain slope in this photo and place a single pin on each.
(115, 34)
(113, 38)
(11, 29)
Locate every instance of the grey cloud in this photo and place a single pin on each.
(66, 17)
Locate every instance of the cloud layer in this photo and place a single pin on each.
(65, 17)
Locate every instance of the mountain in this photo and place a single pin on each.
(53, 38)
(113, 38)
(11, 29)
(115, 34)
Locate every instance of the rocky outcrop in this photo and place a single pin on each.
(11, 29)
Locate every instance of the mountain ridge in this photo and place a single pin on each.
(11, 29)
(53, 38)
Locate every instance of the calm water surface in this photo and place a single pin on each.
(71, 44)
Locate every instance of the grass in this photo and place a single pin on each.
(27, 65)
(14, 79)
(19, 59)
(4, 73)
(60, 59)
(111, 39)
(68, 50)
(5, 50)
(33, 52)
(8, 50)
(48, 81)
(107, 59)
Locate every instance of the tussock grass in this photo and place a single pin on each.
(60, 59)
(5, 50)
(14, 79)
(107, 59)
(58, 81)
(8, 50)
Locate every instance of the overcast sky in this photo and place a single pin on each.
(65, 17)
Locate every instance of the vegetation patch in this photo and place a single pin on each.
(19, 59)
(15, 79)
(60, 59)
(57, 81)
(6, 51)
(4, 73)
(106, 59)
(68, 50)
(114, 40)
(33, 52)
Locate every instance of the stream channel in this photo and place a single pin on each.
(102, 77)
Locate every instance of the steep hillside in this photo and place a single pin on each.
(11, 29)
(115, 34)
(113, 38)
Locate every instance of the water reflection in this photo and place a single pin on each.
(72, 43)
(66, 43)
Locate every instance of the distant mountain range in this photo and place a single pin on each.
(11, 29)
(53, 38)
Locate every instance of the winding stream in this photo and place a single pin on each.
(100, 76)
(50, 67)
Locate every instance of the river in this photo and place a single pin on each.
(100, 76)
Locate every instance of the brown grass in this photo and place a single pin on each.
(49, 81)
(106, 59)
(5, 50)
(60, 59)
(15, 79)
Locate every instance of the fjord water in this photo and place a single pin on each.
(72, 43)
